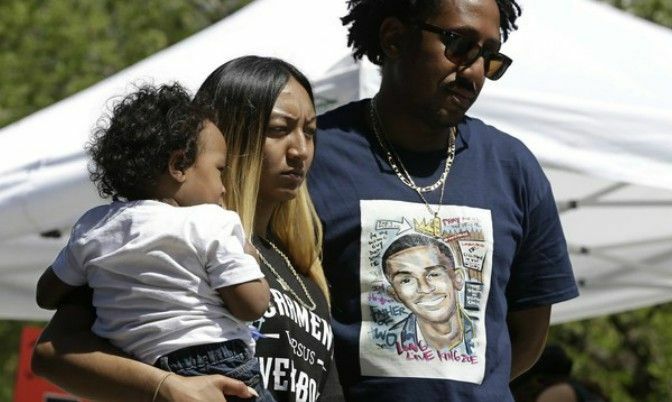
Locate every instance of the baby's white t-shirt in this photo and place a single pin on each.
(154, 269)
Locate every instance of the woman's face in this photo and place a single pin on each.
(289, 145)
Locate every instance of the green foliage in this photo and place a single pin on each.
(658, 11)
(52, 49)
(629, 355)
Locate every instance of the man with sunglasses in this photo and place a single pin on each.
(410, 161)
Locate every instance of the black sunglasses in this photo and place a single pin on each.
(464, 51)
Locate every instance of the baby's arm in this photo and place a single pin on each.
(246, 301)
(232, 266)
(51, 290)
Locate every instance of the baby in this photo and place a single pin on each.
(172, 284)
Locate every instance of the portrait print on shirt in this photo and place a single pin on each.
(425, 281)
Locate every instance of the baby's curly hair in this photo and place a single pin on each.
(365, 17)
(131, 147)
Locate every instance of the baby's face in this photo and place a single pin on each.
(204, 179)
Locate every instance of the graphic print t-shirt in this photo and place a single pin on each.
(296, 344)
(498, 222)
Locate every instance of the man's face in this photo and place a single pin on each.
(424, 282)
(438, 91)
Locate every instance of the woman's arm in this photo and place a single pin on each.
(71, 356)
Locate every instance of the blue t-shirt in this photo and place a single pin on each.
(494, 246)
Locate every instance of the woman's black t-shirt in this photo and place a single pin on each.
(295, 344)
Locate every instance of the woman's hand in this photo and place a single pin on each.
(206, 388)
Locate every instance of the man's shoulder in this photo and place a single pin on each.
(498, 149)
(342, 132)
(481, 132)
(343, 118)
(483, 136)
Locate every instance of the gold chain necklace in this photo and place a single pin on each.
(405, 177)
(311, 303)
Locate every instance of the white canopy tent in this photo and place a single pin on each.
(585, 93)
